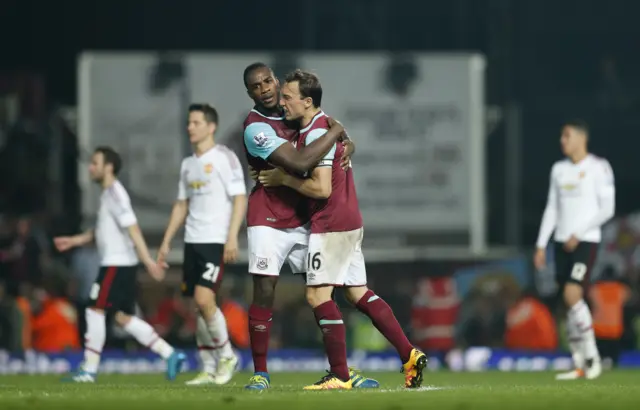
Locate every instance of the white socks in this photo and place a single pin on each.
(218, 330)
(94, 340)
(146, 336)
(205, 346)
(575, 342)
(580, 328)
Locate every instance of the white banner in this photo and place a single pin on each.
(419, 128)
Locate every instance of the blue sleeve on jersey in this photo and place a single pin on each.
(314, 135)
(261, 140)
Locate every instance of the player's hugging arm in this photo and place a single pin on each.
(318, 186)
(262, 141)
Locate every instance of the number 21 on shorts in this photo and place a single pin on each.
(212, 272)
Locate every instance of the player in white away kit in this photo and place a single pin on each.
(121, 247)
(212, 199)
(581, 199)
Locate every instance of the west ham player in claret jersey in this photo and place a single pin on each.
(121, 247)
(581, 199)
(276, 218)
(335, 245)
(211, 203)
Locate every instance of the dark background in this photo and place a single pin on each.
(555, 59)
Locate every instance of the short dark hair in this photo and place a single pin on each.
(110, 156)
(250, 69)
(578, 124)
(309, 85)
(210, 113)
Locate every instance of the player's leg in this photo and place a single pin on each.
(96, 332)
(144, 334)
(323, 272)
(572, 269)
(123, 303)
(578, 311)
(268, 248)
(190, 275)
(334, 338)
(211, 263)
(381, 315)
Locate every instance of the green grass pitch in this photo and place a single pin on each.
(441, 390)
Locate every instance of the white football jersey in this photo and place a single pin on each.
(209, 182)
(115, 216)
(581, 199)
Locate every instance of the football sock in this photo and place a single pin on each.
(582, 317)
(146, 336)
(574, 337)
(93, 340)
(259, 327)
(218, 330)
(205, 346)
(385, 321)
(334, 336)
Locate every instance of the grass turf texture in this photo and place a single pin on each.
(441, 390)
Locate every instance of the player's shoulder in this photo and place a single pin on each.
(117, 193)
(559, 165)
(600, 162)
(254, 116)
(319, 121)
(223, 153)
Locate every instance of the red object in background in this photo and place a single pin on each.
(434, 314)
(30, 90)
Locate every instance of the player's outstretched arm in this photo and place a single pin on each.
(142, 250)
(64, 243)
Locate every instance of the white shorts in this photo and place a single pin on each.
(269, 248)
(335, 258)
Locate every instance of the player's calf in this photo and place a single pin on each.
(330, 321)
(580, 326)
(382, 317)
(260, 314)
(147, 336)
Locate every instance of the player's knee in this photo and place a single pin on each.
(572, 294)
(316, 296)
(94, 309)
(205, 300)
(355, 293)
(264, 290)
(122, 319)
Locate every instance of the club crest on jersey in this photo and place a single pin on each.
(208, 168)
(581, 175)
(261, 140)
(262, 263)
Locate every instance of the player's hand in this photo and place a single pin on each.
(345, 161)
(156, 271)
(571, 244)
(272, 177)
(253, 174)
(163, 252)
(231, 250)
(64, 243)
(540, 259)
(333, 124)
